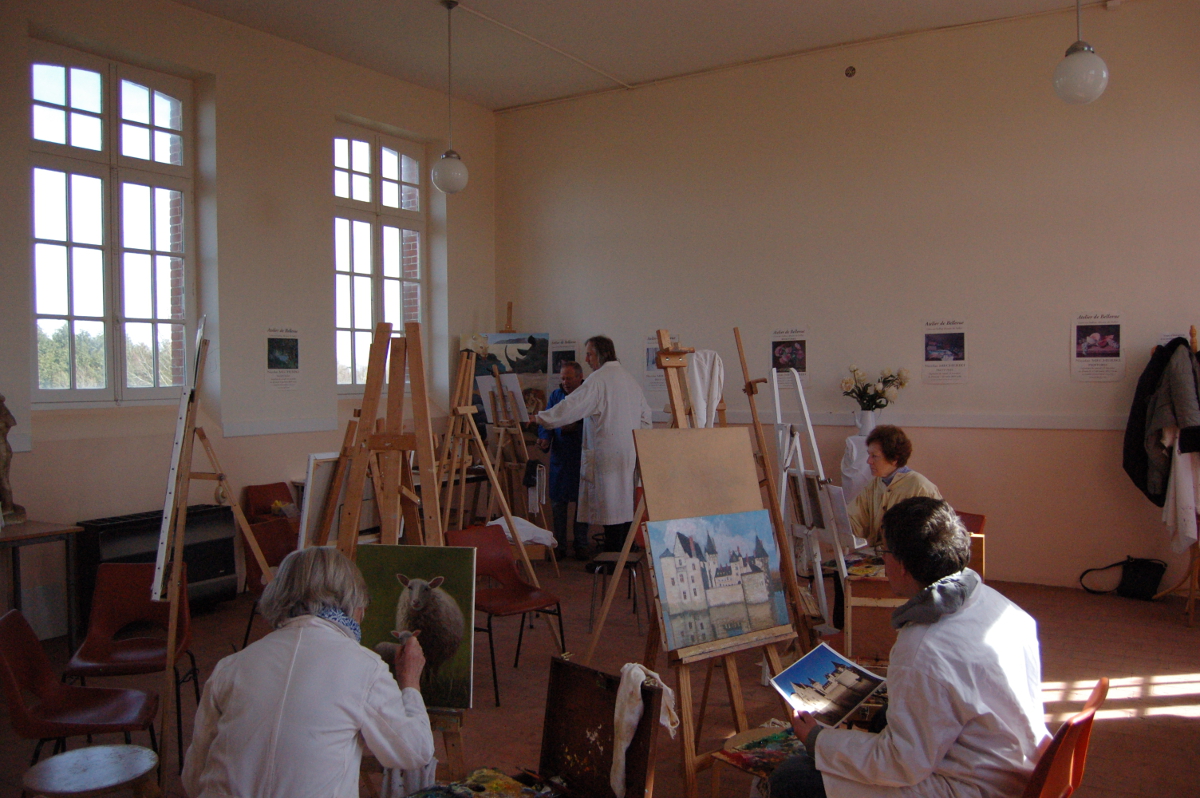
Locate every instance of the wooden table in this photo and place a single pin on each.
(30, 533)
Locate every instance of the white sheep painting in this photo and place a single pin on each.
(428, 591)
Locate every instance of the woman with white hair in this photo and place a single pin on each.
(290, 714)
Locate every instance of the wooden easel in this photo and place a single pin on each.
(673, 361)
(381, 443)
(1191, 577)
(168, 568)
(455, 458)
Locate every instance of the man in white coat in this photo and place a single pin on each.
(964, 716)
(611, 404)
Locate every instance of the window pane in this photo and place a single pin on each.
(345, 363)
(167, 148)
(362, 303)
(341, 184)
(139, 355)
(49, 124)
(390, 164)
(87, 281)
(135, 141)
(341, 244)
(411, 199)
(361, 188)
(391, 302)
(50, 204)
(410, 170)
(362, 247)
(168, 220)
(412, 255)
(361, 151)
(50, 84)
(50, 279)
(341, 153)
(412, 302)
(85, 90)
(362, 353)
(135, 102)
(86, 132)
(342, 300)
(168, 287)
(90, 361)
(168, 112)
(135, 213)
(87, 210)
(389, 194)
(137, 285)
(391, 251)
(54, 354)
(170, 354)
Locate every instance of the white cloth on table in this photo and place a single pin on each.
(628, 714)
(289, 715)
(611, 404)
(706, 381)
(1183, 493)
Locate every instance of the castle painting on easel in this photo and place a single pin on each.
(718, 577)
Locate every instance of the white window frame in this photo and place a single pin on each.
(115, 169)
(380, 216)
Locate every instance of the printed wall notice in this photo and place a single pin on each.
(1096, 351)
(283, 358)
(563, 350)
(789, 350)
(945, 360)
(655, 378)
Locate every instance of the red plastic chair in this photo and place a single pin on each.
(1059, 769)
(61, 710)
(122, 598)
(277, 538)
(257, 500)
(513, 596)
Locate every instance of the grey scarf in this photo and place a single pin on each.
(943, 597)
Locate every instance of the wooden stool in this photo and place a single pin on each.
(96, 770)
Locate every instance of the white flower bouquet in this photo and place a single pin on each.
(874, 394)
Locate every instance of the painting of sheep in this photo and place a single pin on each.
(428, 591)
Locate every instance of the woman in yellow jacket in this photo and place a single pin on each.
(888, 450)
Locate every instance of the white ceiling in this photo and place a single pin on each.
(633, 41)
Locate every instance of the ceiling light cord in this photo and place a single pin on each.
(449, 174)
(450, 5)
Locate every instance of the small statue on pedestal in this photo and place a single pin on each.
(12, 513)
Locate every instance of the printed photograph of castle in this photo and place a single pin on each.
(826, 684)
(717, 575)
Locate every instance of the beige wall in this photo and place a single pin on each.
(266, 109)
(944, 180)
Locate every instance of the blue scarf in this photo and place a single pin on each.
(334, 615)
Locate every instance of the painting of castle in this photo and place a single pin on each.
(717, 576)
(826, 684)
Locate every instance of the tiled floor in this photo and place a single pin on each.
(1146, 740)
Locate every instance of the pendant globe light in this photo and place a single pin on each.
(449, 173)
(1082, 76)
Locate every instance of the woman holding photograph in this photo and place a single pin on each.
(290, 714)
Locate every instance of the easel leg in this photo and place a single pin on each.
(687, 736)
(614, 584)
(736, 701)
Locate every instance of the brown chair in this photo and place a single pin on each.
(512, 596)
(974, 522)
(277, 537)
(122, 599)
(1059, 770)
(257, 500)
(61, 710)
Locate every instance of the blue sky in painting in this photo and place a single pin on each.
(736, 530)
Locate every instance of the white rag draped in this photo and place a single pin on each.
(706, 381)
(629, 712)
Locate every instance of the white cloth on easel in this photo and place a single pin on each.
(1183, 493)
(706, 381)
(529, 531)
(629, 712)
(399, 783)
(856, 474)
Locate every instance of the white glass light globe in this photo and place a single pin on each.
(450, 173)
(1081, 77)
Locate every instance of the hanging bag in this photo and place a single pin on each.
(1140, 578)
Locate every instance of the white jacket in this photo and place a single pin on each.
(290, 714)
(965, 715)
(612, 406)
